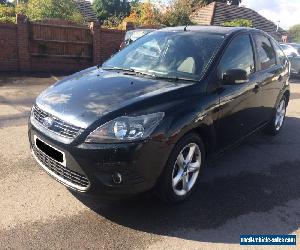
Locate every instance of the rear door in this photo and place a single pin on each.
(270, 77)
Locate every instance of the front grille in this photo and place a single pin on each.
(58, 126)
(69, 177)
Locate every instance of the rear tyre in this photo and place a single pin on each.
(275, 125)
(183, 169)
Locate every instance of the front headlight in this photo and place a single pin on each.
(126, 129)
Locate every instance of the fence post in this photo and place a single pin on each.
(96, 33)
(23, 43)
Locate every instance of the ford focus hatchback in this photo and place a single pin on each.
(150, 116)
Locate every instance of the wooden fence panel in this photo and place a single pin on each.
(69, 46)
(67, 33)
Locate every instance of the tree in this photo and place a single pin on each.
(7, 14)
(38, 10)
(109, 8)
(294, 33)
(149, 15)
(144, 14)
(178, 13)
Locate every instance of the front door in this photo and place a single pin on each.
(239, 103)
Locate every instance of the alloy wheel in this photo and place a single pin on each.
(280, 114)
(186, 169)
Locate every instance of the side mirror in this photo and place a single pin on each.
(235, 76)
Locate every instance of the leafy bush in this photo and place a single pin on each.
(106, 9)
(238, 23)
(294, 33)
(21, 8)
(179, 13)
(113, 22)
(7, 14)
(64, 9)
(7, 19)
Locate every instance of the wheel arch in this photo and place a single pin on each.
(287, 94)
(205, 129)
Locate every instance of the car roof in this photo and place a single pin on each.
(208, 29)
(138, 30)
(294, 44)
(287, 45)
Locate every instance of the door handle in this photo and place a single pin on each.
(257, 87)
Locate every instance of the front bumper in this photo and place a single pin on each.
(90, 168)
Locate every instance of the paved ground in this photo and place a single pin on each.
(253, 189)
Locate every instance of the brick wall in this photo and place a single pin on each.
(204, 16)
(8, 47)
(110, 41)
(56, 46)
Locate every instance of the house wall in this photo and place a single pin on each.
(205, 16)
(53, 47)
(217, 13)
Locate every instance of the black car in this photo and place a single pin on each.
(151, 115)
(133, 35)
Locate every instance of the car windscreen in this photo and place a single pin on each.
(285, 47)
(169, 54)
(128, 35)
(137, 34)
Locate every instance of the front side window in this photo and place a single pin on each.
(238, 55)
(169, 54)
(266, 53)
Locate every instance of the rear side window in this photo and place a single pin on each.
(238, 55)
(282, 60)
(266, 53)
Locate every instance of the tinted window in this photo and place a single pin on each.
(280, 54)
(238, 55)
(266, 53)
(169, 54)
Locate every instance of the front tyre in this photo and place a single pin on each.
(183, 168)
(275, 125)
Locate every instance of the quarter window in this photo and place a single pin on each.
(266, 53)
(238, 55)
(280, 54)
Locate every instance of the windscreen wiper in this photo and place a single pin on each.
(175, 78)
(131, 70)
(146, 73)
(119, 69)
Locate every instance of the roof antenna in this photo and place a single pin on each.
(185, 28)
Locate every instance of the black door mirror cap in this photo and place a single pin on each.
(235, 76)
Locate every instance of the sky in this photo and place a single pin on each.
(285, 11)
